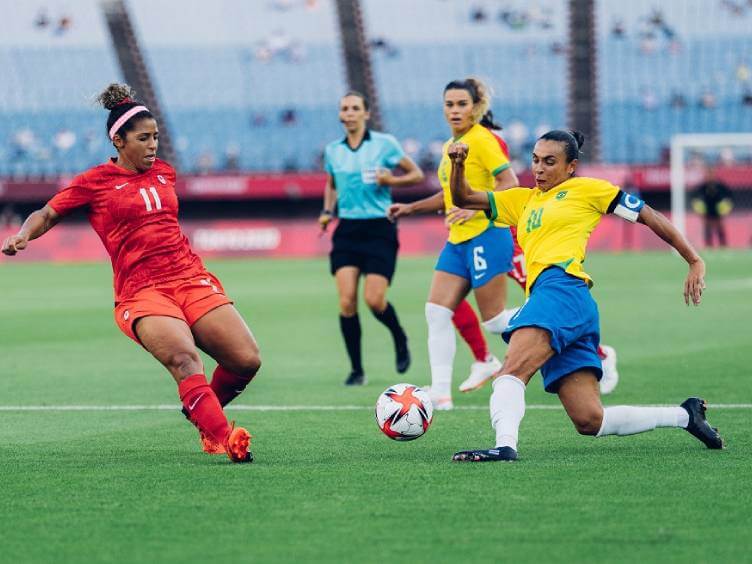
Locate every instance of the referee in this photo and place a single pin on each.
(365, 242)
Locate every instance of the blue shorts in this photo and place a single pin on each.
(481, 258)
(562, 305)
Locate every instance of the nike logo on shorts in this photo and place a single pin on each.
(479, 276)
(120, 186)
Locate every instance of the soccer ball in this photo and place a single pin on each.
(404, 412)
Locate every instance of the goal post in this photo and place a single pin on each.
(680, 144)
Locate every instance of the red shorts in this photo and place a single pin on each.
(188, 299)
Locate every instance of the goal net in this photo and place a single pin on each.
(711, 188)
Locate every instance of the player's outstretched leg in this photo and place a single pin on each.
(237, 444)
(698, 426)
(501, 454)
(625, 420)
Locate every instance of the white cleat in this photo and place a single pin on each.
(440, 403)
(610, 374)
(480, 373)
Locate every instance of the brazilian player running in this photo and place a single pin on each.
(359, 180)
(557, 330)
(478, 253)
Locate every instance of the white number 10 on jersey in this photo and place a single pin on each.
(147, 200)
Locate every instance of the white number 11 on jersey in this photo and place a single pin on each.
(147, 201)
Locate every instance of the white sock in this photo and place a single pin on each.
(441, 348)
(507, 409)
(627, 420)
(499, 323)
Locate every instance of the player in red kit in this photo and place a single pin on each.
(165, 299)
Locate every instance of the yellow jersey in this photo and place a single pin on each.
(485, 160)
(553, 227)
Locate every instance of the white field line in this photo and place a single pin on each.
(175, 407)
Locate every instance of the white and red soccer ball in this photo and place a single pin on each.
(404, 412)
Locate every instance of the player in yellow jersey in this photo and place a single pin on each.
(478, 253)
(557, 330)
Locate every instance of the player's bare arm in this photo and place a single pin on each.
(431, 204)
(506, 179)
(330, 198)
(661, 226)
(463, 195)
(37, 224)
(413, 175)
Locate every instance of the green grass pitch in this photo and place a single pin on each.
(133, 486)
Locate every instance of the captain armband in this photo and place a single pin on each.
(626, 206)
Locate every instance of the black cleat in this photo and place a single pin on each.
(356, 379)
(403, 358)
(501, 454)
(698, 426)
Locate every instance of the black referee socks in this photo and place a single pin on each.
(389, 318)
(350, 327)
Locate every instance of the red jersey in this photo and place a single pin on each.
(136, 217)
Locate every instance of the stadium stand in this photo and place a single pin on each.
(672, 69)
(52, 63)
(518, 50)
(256, 90)
(252, 89)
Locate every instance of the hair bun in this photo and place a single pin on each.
(116, 94)
(579, 137)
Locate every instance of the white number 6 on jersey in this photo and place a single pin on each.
(478, 261)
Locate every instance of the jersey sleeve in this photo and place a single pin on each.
(75, 195)
(607, 198)
(393, 152)
(328, 162)
(507, 206)
(492, 155)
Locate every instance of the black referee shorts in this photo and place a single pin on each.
(368, 244)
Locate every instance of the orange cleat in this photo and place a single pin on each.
(237, 443)
(210, 446)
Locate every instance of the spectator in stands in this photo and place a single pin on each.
(618, 30)
(713, 200)
(205, 162)
(678, 100)
(743, 73)
(707, 99)
(63, 25)
(9, 217)
(232, 157)
(478, 14)
(288, 117)
(648, 99)
(64, 140)
(42, 20)
(747, 97)
(383, 45)
(24, 142)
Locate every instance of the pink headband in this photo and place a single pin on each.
(124, 118)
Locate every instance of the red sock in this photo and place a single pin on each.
(227, 385)
(203, 407)
(601, 353)
(468, 326)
